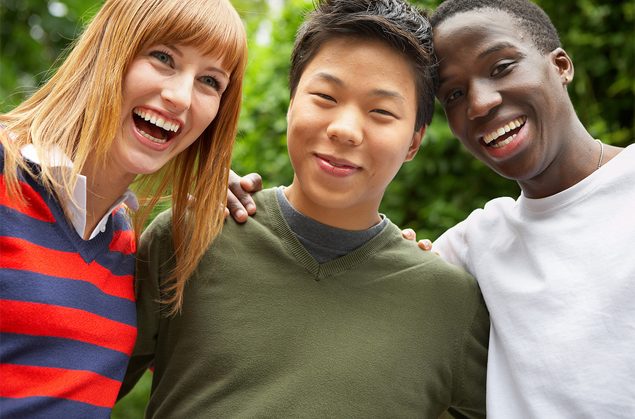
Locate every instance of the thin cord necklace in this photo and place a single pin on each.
(601, 152)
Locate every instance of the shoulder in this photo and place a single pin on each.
(493, 208)
(402, 254)
(156, 239)
(268, 212)
(160, 227)
(483, 219)
(446, 291)
(121, 218)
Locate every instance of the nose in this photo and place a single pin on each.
(482, 99)
(347, 126)
(178, 92)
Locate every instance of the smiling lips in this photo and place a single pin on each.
(504, 134)
(340, 168)
(154, 126)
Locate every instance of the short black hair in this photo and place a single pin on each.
(531, 17)
(403, 27)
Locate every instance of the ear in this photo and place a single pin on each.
(415, 143)
(563, 64)
(289, 109)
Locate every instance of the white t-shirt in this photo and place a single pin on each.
(558, 277)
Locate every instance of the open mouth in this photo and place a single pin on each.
(505, 134)
(154, 126)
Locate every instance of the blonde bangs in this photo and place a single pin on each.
(212, 26)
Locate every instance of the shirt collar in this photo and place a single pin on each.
(77, 206)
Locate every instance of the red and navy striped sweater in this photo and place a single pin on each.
(67, 309)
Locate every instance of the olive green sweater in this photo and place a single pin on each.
(387, 331)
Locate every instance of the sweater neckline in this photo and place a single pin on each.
(323, 270)
(87, 249)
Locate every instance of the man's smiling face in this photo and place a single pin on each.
(504, 99)
(350, 127)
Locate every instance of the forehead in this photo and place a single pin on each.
(361, 47)
(361, 61)
(473, 33)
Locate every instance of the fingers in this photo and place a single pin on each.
(236, 208)
(425, 244)
(239, 202)
(409, 234)
(251, 182)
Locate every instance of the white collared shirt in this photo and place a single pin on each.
(77, 206)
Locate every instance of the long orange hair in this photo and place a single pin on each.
(78, 110)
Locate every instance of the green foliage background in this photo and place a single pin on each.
(440, 187)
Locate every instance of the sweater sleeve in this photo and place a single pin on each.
(154, 257)
(471, 366)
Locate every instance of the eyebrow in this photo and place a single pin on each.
(374, 92)
(497, 47)
(329, 77)
(386, 93)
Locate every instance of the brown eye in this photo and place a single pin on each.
(455, 95)
(499, 69)
(327, 97)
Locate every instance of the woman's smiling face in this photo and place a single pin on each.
(504, 99)
(170, 95)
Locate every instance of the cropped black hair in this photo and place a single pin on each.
(531, 17)
(403, 27)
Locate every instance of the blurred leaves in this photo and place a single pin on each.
(444, 183)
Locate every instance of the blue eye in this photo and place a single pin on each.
(164, 57)
(209, 80)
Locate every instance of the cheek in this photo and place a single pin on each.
(387, 146)
(454, 121)
(298, 126)
(474, 148)
(139, 80)
(204, 113)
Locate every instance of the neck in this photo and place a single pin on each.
(102, 190)
(573, 159)
(332, 213)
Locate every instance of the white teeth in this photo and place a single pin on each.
(151, 138)
(516, 123)
(158, 121)
(505, 142)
